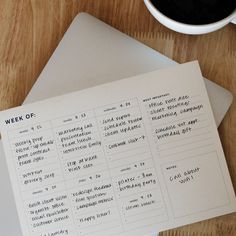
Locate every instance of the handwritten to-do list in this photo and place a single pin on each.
(127, 158)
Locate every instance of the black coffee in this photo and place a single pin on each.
(195, 12)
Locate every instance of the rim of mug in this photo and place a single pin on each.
(229, 18)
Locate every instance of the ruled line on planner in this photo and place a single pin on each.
(106, 222)
(179, 140)
(187, 150)
(141, 192)
(176, 120)
(104, 229)
(131, 149)
(130, 163)
(148, 217)
(143, 212)
(125, 137)
(79, 214)
(126, 157)
(184, 144)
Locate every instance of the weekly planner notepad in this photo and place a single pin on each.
(131, 157)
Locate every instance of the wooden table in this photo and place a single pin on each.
(31, 30)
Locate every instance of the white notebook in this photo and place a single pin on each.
(90, 43)
(129, 158)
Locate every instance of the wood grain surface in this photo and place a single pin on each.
(31, 30)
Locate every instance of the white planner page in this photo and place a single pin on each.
(131, 157)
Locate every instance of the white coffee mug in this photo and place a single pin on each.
(187, 28)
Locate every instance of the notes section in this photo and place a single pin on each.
(191, 180)
(90, 172)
